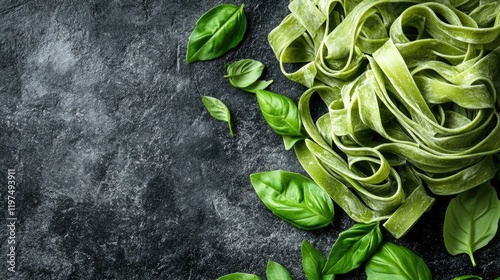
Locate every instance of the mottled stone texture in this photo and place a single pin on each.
(122, 174)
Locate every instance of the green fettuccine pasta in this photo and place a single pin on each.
(409, 91)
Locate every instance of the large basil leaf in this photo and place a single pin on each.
(313, 262)
(282, 115)
(218, 110)
(276, 271)
(216, 32)
(243, 73)
(392, 261)
(353, 247)
(471, 220)
(239, 276)
(294, 198)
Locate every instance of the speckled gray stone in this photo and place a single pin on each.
(121, 172)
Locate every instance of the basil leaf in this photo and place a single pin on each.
(218, 110)
(294, 198)
(216, 32)
(276, 271)
(467, 277)
(353, 247)
(239, 276)
(313, 262)
(243, 73)
(471, 220)
(281, 114)
(392, 261)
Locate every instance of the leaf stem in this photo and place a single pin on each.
(472, 258)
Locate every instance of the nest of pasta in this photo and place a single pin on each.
(410, 90)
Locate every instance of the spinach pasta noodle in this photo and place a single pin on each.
(410, 96)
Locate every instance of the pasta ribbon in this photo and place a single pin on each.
(408, 100)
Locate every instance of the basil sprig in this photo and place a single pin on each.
(353, 247)
(294, 198)
(392, 261)
(282, 115)
(245, 73)
(218, 110)
(216, 32)
(471, 220)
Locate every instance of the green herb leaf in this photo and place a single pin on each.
(281, 114)
(216, 32)
(243, 73)
(313, 262)
(353, 247)
(218, 110)
(294, 198)
(471, 220)
(468, 277)
(276, 271)
(392, 261)
(239, 276)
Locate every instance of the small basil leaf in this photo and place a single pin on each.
(392, 261)
(257, 85)
(294, 198)
(468, 277)
(276, 271)
(217, 31)
(353, 247)
(471, 220)
(243, 73)
(313, 262)
(280, 113)
(218, 110)
(239, 276)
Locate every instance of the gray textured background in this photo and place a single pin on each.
(122, 174)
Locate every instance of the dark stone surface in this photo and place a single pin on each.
(121, 172)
